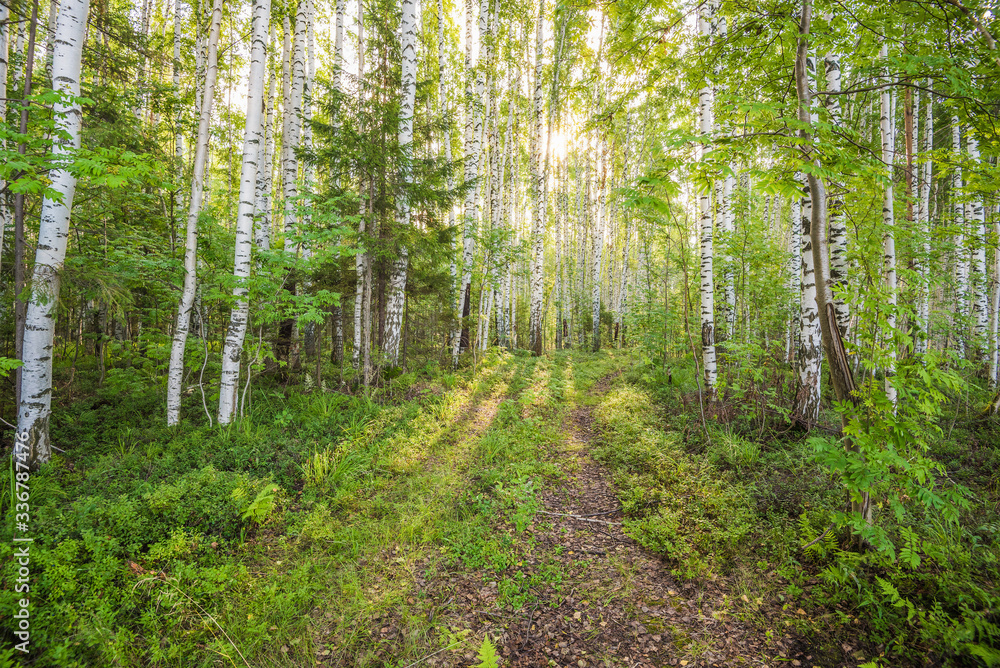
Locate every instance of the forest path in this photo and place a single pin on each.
(522, 542)
(620, 606)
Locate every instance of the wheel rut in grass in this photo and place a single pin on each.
(589, 594)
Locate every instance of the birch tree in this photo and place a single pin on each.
(538, 203)
(706, 127)
(35, 405)
(460, 336)
(838, 220)
(923, 229)
(253, 139)
(175, 373)
(397, 280)
(888, 234)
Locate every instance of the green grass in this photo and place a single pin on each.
(146, 553)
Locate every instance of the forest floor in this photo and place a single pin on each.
(554, 579)
(568, 510)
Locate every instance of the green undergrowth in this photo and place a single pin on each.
(280, 538)
(741, 497)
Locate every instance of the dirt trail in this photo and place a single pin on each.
(616, 603)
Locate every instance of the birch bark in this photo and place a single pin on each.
(537, 178)
(175, 372)
(889, 235)
(35, 405)
(706, 124)
(253, 138)
(397, 280)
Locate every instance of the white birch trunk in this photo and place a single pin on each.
(962, 252)
(360, 261)
(727, 220)
(597, 251)
(889, 235)
(538, 205)
(397, 277)
(923, 229)
(253, 139)
(977, 224)
(53, 233)
(810, 351)
(994, 371)
(706, 123)
(293, 125)
(472, 151)
(838, 221)
(262, 206)
(794, 281)
(175, 373)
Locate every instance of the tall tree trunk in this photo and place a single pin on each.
(706, 125)
(35, 405)
(360, 258)
(978, 287)
(175, 373)
(961, 243)
(727, 225)
(840, 370)
(923, 229)
(889, 234)
(262, 205)
(397, 280)
(810, 352)
(291, 140)
(537, 195)
(794, 280)
(20, 307)
(838, 221)
(253, 138)
(460, 336)
(309, 328)
(597, 251)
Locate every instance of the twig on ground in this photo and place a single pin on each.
(818, 538)
(580, 518)
(421, 660)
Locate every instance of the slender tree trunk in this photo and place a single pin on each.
(360, 259)
(923, 225)
(397, 280)
(810, 352)
(838, 221)
(962, 252)
(20, 307)
(309, 328)
(727, 222)
(35, 405)
(794, 281)
(460, 337)
(889, 233)
(262, 205)
(597, 251)
(840, 370)
(706, 123)
(538, 205)
(253, 138)
(291, 140)
(977, 223)
(176, 370)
